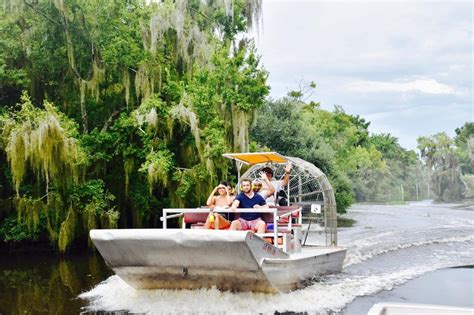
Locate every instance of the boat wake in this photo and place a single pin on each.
(359, 254)
(332, 294)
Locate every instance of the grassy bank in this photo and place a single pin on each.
(345, 222)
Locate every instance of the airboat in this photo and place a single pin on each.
(300, 243)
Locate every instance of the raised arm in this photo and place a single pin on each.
(271, 188)
(286, 178)
(211, 200)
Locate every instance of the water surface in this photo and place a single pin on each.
(391, 248)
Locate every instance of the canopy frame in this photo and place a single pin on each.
(307, 185)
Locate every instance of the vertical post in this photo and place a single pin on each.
(275, 227)
(288, 194)
(165, 219)
(416, 186)
(239, 166)
(300, 189)
(401, 186)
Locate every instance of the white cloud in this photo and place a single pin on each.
(411, 60)
(429, 86)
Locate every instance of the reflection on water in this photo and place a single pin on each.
(44, 284)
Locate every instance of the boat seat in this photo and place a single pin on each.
(268, 217)
(192, 218)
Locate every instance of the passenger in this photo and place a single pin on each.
(277, 184)
(248, 199)
(224, 200)
(257, 186)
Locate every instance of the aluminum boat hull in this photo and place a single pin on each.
(193, 259)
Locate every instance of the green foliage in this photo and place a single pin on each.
(464, 141)
(157, 166)
(439, 155)
(43, 141)
(13, 78)
(292, 128)
(359, 166)
(13, 230)
(160, 90)
(468, 181)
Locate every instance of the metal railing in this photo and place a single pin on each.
(170, 213)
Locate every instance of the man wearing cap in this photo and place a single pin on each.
(257, 186)
(277, 184)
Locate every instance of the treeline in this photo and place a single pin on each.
(360, 166)
(367, 167)
(450, 163)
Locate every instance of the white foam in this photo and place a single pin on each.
(333, 293)
(357, 255)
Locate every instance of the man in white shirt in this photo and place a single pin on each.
(277, 184)
(257, 184)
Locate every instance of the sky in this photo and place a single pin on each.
(407, 67)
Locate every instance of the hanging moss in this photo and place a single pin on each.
(109, 219)
(54, 211)
(29, 211)
(67, 231)
(126, 86)
(44, 142)
(185, 114)
(240, 130)
(144, 79)
(157, 167)
(128, 166)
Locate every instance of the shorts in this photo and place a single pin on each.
(249, 225)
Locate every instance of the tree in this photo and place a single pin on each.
(438, 154)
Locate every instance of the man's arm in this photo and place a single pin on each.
(271, 188)
(235, 204)
(262, 203)
(286, 179)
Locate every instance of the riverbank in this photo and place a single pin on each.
(345, 222)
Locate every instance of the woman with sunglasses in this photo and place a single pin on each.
(222, 199)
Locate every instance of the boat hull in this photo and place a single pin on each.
(227, 260)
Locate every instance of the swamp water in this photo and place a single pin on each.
(387, 247)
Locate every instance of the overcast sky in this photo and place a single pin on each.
(405, 67)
